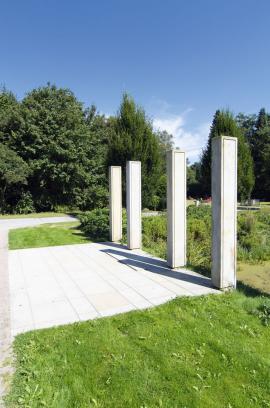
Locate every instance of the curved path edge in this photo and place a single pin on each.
(6, 368)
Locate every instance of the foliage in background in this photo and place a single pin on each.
(10, 116)
(198, 237)
(133, 139)
(60, 151)
(63, 145)
(225, 124)
(68, 149)
(253, 234)
(13, 177)
(95, 223)
(194, 186)
(257, 133)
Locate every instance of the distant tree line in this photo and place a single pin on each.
(55, 153)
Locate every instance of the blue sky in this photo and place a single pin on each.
(181, 60)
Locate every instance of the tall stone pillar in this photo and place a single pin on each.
(133, 187)
(176, 208)
(115, 183)
(224, 211)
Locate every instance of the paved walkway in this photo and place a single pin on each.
(58, 285)
(6, 224)
(5, 289)
(44, 287)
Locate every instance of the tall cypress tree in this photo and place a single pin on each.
(224, 124)
(133, 139)
(260, 144)
(205, 178)
(262, 120)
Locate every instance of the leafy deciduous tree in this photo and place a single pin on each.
(58, 142)
(13, 176)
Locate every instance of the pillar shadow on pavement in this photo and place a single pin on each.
(152, 264)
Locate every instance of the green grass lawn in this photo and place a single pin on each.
(212, 351)
(32, 215)
(47, 235)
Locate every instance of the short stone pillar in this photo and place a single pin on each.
(224, 211)
(115, 186)
(133, 187)
(176, 208)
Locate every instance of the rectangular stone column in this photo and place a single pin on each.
(115, 183)
(133, 186)
(224, 211)
(176, 208)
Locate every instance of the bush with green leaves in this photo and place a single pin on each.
(25, 205)
(13, 178)
(95, 223)
(253, 237)
(253, 234)
(263, 312)
(198, 236)
(154, 234)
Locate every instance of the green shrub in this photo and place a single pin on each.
(253, 237)
(25, 205)
(199, 238)
(155, 235)
(95, 223)
(253, 234)
(263, 312)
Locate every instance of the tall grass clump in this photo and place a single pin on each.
(253, 236)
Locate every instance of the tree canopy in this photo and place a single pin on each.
(225, 124)
(55, 152)
(257, 132)
(64, 147)
(133, 138)
(13, 177)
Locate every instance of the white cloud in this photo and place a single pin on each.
(191, 141)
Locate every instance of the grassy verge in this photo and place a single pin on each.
(47, 235)
(210, 351)
(32, 215)
(255, 275)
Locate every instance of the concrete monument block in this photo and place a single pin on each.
(176, 208)
(115, 186)
(133, 187)
(224, 211)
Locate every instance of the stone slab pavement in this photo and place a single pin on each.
(64, 284)
(5, 321)
(44, 287)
